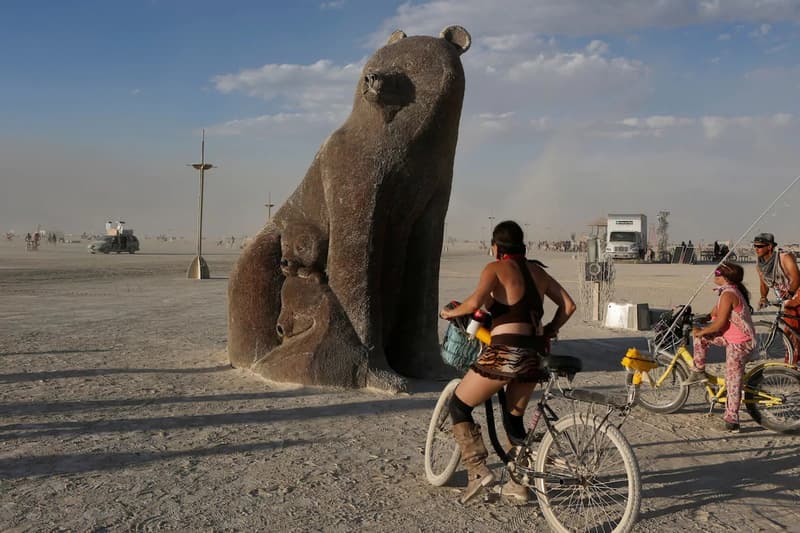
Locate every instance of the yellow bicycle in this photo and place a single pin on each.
(771, 390)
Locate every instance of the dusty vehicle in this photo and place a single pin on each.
(115, 243)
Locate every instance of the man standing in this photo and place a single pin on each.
(778, 269)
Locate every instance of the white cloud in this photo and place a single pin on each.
(541, 123)
(506, 43)
(574, 65)
(635, 127)
(684, 129)
(782, 119)
(761, 31)
(333, 4)
(136, 92)
(597, 48)
(724, 37)
(715, 127)
(579, 17)
(495, 121)
(774, 75)
(314, 87)
(279, 123)
(532, 74)
(777, 48)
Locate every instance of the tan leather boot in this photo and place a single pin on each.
(473, 454)
(512, 489)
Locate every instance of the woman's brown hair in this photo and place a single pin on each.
(735, 274)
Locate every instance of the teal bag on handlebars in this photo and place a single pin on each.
(458, 350)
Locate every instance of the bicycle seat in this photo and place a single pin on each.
(563, 364)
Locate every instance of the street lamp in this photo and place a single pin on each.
(269, 205)
(527, 235)
(199, 268)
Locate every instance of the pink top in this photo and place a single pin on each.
(740, 328)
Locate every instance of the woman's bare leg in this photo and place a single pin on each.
(475, 389)
(517, 397)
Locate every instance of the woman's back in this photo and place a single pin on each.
(511, 287)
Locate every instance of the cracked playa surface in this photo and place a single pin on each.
(120, 412)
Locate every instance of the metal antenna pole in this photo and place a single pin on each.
(202, 186)
(269, 205)
(199, 268)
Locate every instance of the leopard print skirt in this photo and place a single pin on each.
(511, 363)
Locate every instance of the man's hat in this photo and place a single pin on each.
(764, 238)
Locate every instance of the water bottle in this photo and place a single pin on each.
(475, 323)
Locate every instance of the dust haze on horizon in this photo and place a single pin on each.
(569, 113)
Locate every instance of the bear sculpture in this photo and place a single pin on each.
(341, 287)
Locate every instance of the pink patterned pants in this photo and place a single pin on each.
(736, 355)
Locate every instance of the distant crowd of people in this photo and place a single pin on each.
(561, 246)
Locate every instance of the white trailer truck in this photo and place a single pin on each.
(626, 236)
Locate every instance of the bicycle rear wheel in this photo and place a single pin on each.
(441, 451)
(670, 395)
(587, 476)
(772, 398)
(771, 346)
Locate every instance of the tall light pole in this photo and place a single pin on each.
(269, 205)
(199, 268)
(527, 235)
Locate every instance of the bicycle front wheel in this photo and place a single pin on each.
(667, 396)
(587, 477)
(774, 346)
(772, 397)
(441, 451)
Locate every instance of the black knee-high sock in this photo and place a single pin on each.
(515, 428)
(459, 411)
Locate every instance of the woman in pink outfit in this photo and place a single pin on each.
(732, 327)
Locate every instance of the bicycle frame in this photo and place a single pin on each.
(544, 412)
(715, 386)
(779, 322)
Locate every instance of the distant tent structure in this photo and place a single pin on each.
(662, 242)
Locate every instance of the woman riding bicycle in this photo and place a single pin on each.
(514, 357)
(731, 327)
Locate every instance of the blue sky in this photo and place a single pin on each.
(573, 109)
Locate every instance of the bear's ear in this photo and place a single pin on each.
(458, 37)
(397, 35)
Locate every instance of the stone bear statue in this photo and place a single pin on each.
(362, 234)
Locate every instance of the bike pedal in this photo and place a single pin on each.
(491, 497)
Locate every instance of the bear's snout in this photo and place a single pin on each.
(389, 88)
(373, 83)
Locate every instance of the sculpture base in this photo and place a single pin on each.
(198, 269)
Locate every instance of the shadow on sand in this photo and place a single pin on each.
(88, 372)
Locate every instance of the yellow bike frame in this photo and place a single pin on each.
(715, 386)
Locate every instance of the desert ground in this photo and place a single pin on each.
(119, 411)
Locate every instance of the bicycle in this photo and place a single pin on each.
(581, 467)
(771, 390)
(766, 346)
